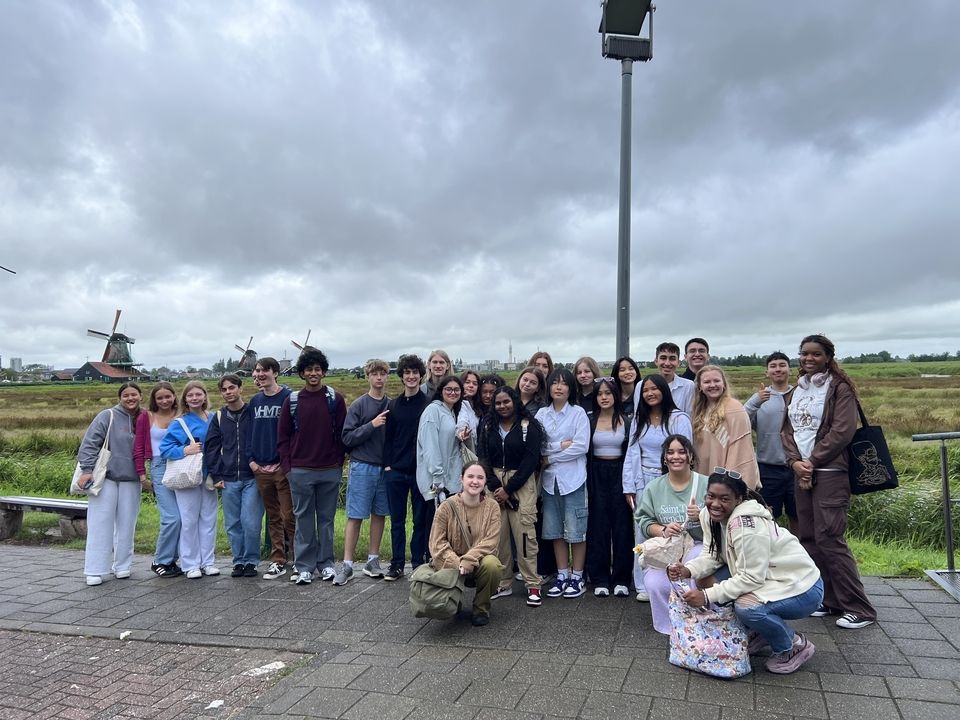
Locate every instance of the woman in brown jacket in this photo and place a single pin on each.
(819, 425)
(465, 534)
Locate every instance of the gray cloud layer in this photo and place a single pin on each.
(399, 176)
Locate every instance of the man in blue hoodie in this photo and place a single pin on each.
(264, 460)
(225, 454)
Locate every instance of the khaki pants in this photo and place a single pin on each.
(520, 526)
(486, 577)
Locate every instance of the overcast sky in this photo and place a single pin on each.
(398, 176)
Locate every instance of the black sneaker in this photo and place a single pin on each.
(394, 573)
(249, 570)
(480, 620)
(166, 571)
(237, 570)
(852, 621)
(823, 611)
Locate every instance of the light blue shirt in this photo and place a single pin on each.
(567, 468)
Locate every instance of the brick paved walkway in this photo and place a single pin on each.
(363, 655)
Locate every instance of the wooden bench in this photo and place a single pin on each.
(73, 514)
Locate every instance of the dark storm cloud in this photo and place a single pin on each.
(398, 175)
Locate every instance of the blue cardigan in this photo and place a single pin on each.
(173, 443)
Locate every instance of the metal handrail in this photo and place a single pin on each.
(947, 514)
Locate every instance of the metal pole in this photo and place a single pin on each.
(623, 245)
(947, 513)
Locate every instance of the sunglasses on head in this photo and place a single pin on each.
(729, 473)
(597, 381)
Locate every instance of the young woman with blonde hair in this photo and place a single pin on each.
(722, 434)
(198, 505)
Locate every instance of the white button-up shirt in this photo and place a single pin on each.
(567, 468)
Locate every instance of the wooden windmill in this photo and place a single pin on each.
(117, 351)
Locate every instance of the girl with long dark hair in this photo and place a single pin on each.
(656, 417)
(669, 504)
(510, 442)
(112, 513)
(152, 427)
(609, 525)
(819, 426)
(768, 575)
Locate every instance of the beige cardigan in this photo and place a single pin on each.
(730, 447)
(449, 547)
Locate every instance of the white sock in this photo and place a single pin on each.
(348, 563)
(563, 573)
(371, 558)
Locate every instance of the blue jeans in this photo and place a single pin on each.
(168, 539)
(243, 518)
(314, 494)
(366, 491)
(768, 618)
(399, 486)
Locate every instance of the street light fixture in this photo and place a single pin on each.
(620, 26)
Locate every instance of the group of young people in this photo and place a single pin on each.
(557, 478)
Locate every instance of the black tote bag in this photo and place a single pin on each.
(871, 467)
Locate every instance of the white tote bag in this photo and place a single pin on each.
(99, 469)
(186, 472)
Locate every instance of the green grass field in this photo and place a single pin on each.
(892, 533)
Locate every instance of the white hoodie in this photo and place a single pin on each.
(763, 558)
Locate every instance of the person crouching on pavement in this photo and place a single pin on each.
(465, 534)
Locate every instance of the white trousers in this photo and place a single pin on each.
(637, 570)
(198, 526)
(111, 521)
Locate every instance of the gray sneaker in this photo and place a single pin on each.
(343, 575)
(373, 569)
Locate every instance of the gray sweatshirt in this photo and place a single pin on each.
(120, 467)
(767, 420)
(361, 439)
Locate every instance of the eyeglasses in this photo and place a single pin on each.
(732, 474)
(451, 389)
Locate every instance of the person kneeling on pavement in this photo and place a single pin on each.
(465, 534)
(768, 576)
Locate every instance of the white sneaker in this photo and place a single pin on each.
(304, 578)
(211, 570)
(121, 574)
(327, 574)
(194, 574)
(621, 591)
(643, 596)
(601, 592)
(94, 580)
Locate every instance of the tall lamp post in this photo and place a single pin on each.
(620, 26)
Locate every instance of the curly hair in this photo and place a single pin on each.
(312, 356)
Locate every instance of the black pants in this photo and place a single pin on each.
(609, 525)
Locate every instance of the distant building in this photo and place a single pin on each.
(102, 372)
(16, 364)
(63, 375)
